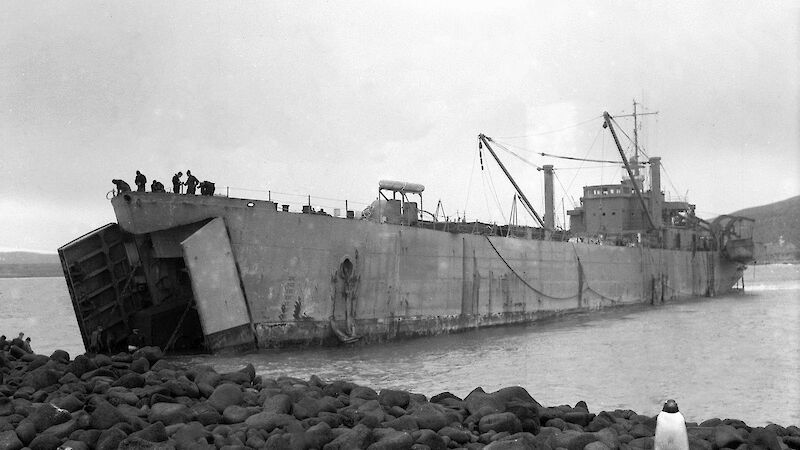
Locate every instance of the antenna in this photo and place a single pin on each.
(635, 116)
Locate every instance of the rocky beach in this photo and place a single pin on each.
(142, 401)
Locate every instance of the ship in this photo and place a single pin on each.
(216, 273)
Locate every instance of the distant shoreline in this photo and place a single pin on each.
(31, 270)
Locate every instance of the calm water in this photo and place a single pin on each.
(733, 356)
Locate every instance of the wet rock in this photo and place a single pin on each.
(527, 413)
(391, 397)
(764, 438)
(105, 415)
(60, 356)
(389, 439)
(69, 402)
(136, 443)
(515, 442)
(306, 407)
(318, 435)
(47, 415)
(225, 395)
(356, 437)
(402, 423)
(75, 445)
(430, 416)
(26, 431)
(44, 442)
(110, 439)
(478, 400)
(170, 413)
(206, 414)
(269, 421)
(579, 418)
(152, 354)
(727, 436)
(237, 414)
(62, 430)
(40, 378)
(10, 441)
(153, 433)
(130, 380)
(500, 422)
(457, 435)
(190, 435)
(581, 440)
(430, 439)
(278, 404)
(641, 430)
(363, 392)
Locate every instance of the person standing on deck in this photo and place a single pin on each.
(191, 182)
(176, 183)
(121, 185)
(140, 181)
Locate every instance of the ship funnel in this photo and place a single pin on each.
(656, 198)
(549, 210)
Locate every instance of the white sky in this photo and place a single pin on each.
(327, 98)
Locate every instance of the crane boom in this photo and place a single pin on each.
(485, 141)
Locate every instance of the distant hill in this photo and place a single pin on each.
(29, 264)
(773, 222)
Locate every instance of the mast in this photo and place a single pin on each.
(485, 141)
(635, 116)
(636, 188)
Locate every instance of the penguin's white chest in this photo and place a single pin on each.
(671, 432)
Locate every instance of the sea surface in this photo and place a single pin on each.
(732, 356)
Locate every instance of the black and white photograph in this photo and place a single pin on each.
(417, 225)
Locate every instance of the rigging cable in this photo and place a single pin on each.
(552, 131)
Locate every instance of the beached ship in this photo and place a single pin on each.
(213, 272)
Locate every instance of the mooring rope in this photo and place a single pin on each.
(522, 279)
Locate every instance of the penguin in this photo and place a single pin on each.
(670, 429)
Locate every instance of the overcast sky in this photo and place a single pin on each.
(327, 98)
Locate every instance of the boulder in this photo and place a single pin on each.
(206, 414)
(69, 402)
(458, 435)
(389, 439)
(356, 437)
(278, 404)
(110, 439)
(44, 441)
(41, 378)
(765, 438)
(237, 414)
(152, 354)
(391, 397)
(306, 407)
(318, 435)
(478, 400)
(430, 416)
(189, 436)
(105, 415)
(47, 415)
(140, 365)
(10, 441)
(60, 356)
(363, 392)
(500, 422)
(727, 436)
(152, 433)
(269, 421)
(225, 395)
(430, 439)
(130, 380)
(170, 413)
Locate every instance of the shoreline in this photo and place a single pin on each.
(144, 401)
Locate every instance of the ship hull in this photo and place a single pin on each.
(307, 279)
